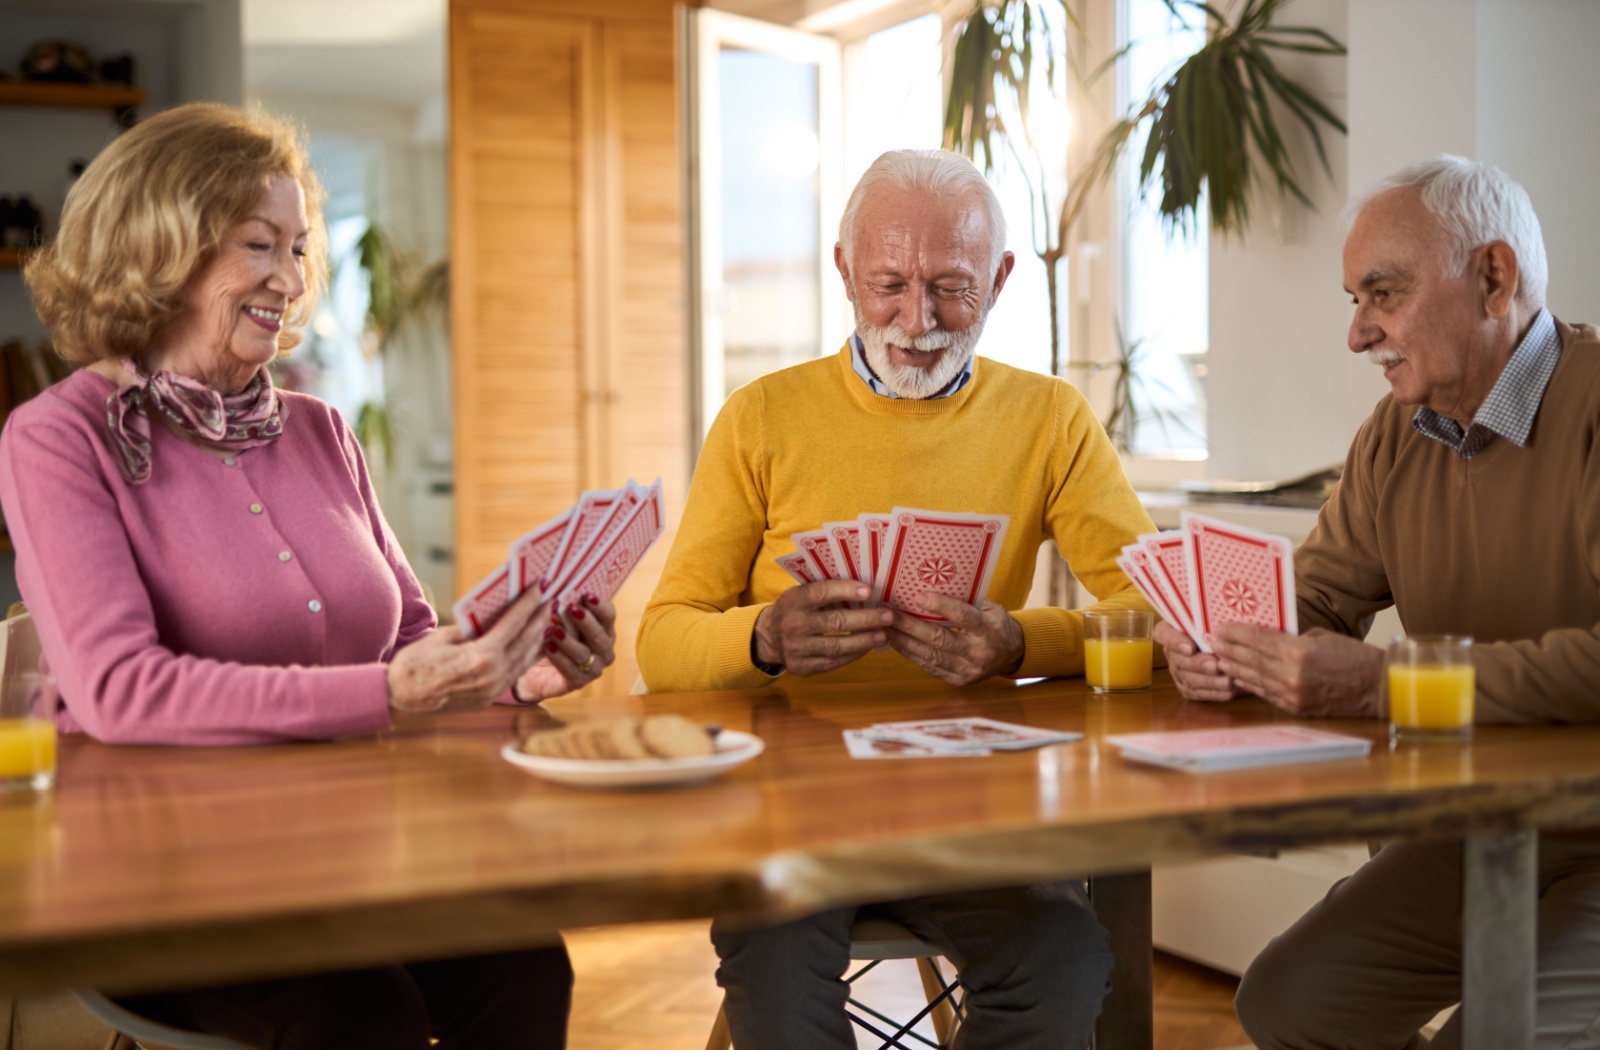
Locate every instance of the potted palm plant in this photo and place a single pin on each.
(1215, 124)
(402, 291)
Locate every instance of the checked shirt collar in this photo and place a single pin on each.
(1512, 404)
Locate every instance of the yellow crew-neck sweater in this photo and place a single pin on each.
(813, 443)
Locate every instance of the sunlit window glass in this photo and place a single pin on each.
(895, 100)
(1165, 274)
(771, 306)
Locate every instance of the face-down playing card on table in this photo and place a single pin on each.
(1237, 575)
(931, 552)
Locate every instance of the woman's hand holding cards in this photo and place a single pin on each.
(575, 653)
(978, 643)
(443, 672)
(808, 630)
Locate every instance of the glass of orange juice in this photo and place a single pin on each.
(1431, 687)
(1116, 649)
(27, 710)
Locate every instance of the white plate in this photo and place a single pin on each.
(733, 748)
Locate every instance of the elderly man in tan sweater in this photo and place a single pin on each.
(1471, 503)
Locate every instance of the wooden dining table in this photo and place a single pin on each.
(153, 867)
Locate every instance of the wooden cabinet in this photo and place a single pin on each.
(568, 273)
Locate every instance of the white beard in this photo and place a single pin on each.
(952, 352)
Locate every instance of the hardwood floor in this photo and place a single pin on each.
(651, 988)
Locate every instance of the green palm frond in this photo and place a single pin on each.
(1215, 121)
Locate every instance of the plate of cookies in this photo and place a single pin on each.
(653, 751)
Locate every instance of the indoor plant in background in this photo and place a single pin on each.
(1214, 123)
(402, 291)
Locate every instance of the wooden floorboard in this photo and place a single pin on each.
(652, 987)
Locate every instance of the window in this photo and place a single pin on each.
(1164, 316)
(756, 271)
(894, 99)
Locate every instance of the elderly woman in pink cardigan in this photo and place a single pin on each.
(204, 556)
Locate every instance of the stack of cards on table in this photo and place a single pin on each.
(590, 549)
(1219, 750)
(903, 555)
(947, 738)
(1207, 573)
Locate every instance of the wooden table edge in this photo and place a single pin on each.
(785, 885)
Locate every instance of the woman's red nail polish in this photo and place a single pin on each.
(578, 614)
(591, 599)
(549, 632)
(561, 635)
(550, 647)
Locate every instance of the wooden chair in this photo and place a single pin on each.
(130, 1031)
(873, 941)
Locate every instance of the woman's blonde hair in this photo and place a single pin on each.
(149, 214)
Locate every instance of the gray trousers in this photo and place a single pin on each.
(1380, 955)
(1034, 963)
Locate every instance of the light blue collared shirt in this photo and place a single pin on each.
(858, 358)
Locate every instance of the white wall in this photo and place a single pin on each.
(412, 204)
(1538, 86)
(1505, 81)
(1280, 385)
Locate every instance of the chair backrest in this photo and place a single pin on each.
(145, 1031)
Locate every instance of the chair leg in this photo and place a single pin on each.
(720, 1039)
(943, 1017)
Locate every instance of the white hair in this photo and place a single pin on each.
(931, 170)
(1475, 204)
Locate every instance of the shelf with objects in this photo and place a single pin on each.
(56, 78)
(119, 99)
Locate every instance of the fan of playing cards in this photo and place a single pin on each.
(1207, 573)
(903, 555)
(590, 549)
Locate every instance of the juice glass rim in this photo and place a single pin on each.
(1118, 615)
(1400, 641)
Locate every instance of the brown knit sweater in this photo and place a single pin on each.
(1504, 546)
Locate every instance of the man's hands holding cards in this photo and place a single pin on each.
(912, 580)
(980, 643)
(1319, 674)
(810, 629)
(1226, 596)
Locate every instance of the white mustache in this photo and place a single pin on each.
(935, 340)
(1385, 358)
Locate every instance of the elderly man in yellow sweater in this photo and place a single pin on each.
(904, 414)
(1471, 503)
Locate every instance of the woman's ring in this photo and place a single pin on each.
(587, 663)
